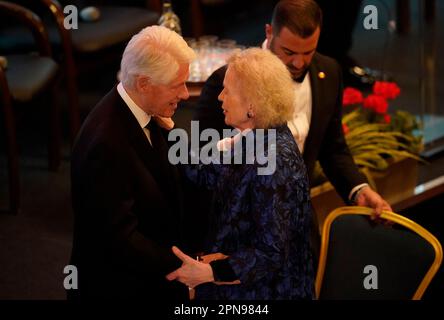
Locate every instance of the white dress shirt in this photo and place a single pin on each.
(141, 116)
(300, 124)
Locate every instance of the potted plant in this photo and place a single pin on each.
(376, 137)
(383, 144)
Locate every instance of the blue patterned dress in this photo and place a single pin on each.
(262, 222)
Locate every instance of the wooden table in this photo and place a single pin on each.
(401, 185)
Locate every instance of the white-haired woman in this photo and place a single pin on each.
(260, 247)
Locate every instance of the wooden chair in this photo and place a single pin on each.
(92, 44)
(27, 76)
(116, 26)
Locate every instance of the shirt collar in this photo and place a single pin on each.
(302, 78)
(265, 44)
(141, 116)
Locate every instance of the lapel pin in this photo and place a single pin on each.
(321, 75)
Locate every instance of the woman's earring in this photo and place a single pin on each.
(249, 115)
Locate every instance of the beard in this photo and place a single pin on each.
(296, 74)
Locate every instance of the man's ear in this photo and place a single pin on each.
(268, 34)
(143, 84)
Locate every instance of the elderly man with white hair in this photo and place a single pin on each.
(125, 193)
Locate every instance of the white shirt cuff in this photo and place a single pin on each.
(359, 186)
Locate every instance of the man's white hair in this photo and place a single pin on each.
(155, 52)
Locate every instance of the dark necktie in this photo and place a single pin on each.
(165, 171)
(155, 134)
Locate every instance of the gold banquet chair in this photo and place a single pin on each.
(364, 260)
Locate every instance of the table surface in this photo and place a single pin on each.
(429, 183)
(403, 185)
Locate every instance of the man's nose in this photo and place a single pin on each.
(184, 94)
(298, 61)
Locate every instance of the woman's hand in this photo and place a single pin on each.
(192, 272)
(166, 123)
(213, 256)
(218, 256)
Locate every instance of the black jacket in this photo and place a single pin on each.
(128, 209)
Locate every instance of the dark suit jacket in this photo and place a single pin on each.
(127, 206)
(325, 141)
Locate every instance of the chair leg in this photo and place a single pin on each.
(13, 168)
(403, 16)
(430, 10)
(11, 145)
(73, 97)
(73, 105)
(54, 134)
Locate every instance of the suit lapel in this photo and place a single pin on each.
(168, 175)
(150, 157)
(316, 98)
(139, 141)
(175, 182)
(321, 83)
(164, 174)
(156, 161)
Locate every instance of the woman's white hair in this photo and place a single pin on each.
(155, 52)
(265, 83)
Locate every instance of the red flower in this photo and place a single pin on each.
(351, 96)
(376, 103)
(345, 129)
(387, 118)
(388, 90)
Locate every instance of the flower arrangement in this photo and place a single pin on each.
(375, 136)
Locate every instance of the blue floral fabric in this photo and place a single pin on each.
(262, 222)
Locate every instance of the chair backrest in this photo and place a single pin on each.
(361, 259)
(19, 14)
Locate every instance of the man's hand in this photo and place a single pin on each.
(213, 256)
(369, 198)
(166, 123)
(218, 256)
(192, 272)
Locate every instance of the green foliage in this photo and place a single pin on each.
(374, 145)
